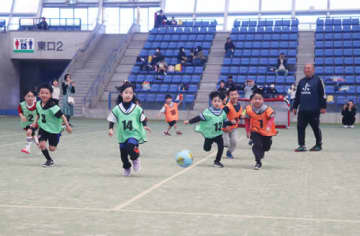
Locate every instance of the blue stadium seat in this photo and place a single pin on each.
(189, 98)
(173, 88)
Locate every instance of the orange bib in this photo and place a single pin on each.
(259, 122)
(171, 113)
(232, 115)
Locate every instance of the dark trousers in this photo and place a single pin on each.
(261, 144)
(312, 118)
(129, 149)
(348, 120)
(220, 143)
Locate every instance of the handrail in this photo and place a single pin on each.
(80, 54)
(107, 70)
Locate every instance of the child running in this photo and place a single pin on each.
(260, 126)
(131, 128)
(171, 112)
(233, 110)
(212, 120)
(27, 113)
(49, 118)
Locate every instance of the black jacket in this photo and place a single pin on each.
(310, 94)
(349, 114)
(229, 45)
(64, 88)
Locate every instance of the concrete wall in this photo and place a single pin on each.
(48, 45)
(9, 77)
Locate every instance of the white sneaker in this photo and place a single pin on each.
(351, 126)
(345, 126)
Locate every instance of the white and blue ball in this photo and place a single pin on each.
(184, 158)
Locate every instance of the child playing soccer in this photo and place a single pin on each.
(49, 118)
(170, 110)
(233, 110)
(260, 126)
(27, 113)
(131, 126)
(212, 120)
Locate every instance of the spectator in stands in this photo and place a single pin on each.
(191, 56)
(144, 66)
(43, 25)
(222, 89)
(229, 48)
(181, 57)
(291, 94)
(282, 66)
(56, 91)
(172, 22)
(230, 83)
(272, 91)
(157, 57)
(160, 19)
(68, 89)
(348, 112)
(199, 58)
(161, 68)
(249, 88)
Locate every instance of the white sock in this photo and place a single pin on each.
(28, 143)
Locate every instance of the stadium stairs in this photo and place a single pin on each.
(305, 53)
(85, 73)
(212, 72)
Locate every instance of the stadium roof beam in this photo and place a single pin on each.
(105, 4)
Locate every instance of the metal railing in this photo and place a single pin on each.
(107, 70)
(83, 53)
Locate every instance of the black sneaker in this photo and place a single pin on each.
(258, 166)
(48, 163)
(218, 164)
(316, 148)
(301, 149)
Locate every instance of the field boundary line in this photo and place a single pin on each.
(161, 183)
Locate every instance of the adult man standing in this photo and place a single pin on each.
(311, 100)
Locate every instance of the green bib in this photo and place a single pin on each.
(47, 119)
(212, 126)
(129, 124)
(30, 115)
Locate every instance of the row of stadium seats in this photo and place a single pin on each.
(180, 37)
(351, 90)
(269, 79)
(186, 70)
(337, 21)
(183, 30)
(266, 30)
(264, 37)
(168, 52)
(337, 44)
(265, 44)
(348, 79)
(243, 70)
(160, 97)
(256, 61)
(341, 100)
(51, 28)
(339, 52)
(338, 28)
(267, 22)
(172, 45)
(338, 70)
(197, 23)
(170, 79)
(166, 88)
(337, 36)
(264, 52)
(319, 61)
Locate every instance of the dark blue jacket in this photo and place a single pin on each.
(310, 94)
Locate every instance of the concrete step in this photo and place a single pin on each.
(137, 44)
(132, 52)
(141, 36)
(124, 68)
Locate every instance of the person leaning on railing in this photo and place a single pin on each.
(43, 25)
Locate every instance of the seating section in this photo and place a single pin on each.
(258, 44)
(337, 58)
(169, 39)
(54, 24)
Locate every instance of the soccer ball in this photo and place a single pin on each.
(184, 158)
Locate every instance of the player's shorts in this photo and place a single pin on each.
(46, 136)
(172, 123)
(32, 128)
